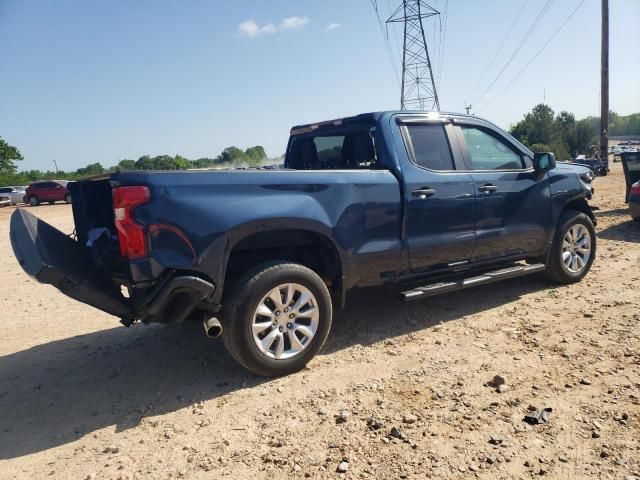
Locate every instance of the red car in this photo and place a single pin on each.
(47, 191)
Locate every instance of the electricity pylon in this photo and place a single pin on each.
(418, 87)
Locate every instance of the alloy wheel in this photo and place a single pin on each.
(285, 321)
(576, 248)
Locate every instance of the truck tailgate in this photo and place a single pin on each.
(52, 257)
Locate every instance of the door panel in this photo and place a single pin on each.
(513, 206)
(45, 192)
(440, 201)
(514, 218)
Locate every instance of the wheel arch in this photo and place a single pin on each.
(579, 205)
(297, 244)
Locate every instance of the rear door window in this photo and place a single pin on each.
(429, 147)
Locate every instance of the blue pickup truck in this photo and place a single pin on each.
(434, 202)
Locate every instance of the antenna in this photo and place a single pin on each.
(418, 87)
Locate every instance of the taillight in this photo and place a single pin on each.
(132, 236)
(635, 189)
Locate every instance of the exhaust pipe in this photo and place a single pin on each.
(212, 327)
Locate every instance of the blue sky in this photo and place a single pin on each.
(85, 82)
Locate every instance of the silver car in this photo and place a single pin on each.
(15, 194)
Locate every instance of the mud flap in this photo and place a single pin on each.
(51, 257)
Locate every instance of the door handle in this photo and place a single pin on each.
(423, 193)
(487, 188)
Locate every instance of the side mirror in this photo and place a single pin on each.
(544, 161)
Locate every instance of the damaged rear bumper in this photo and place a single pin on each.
(53, 258)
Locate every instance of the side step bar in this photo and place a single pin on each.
(459, 284)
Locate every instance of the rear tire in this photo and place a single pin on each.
(33, 201)
(276, 318)
(574, 248)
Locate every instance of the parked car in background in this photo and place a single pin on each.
(15, 194)
(47, 191)
(598, 166)
(634, 201)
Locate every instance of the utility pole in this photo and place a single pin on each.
(56, 165)
(418, 90)
(604, 82)
(467, 108)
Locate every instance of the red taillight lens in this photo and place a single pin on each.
(132, 236)
(635, 189)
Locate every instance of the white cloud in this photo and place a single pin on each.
(332, 26)
(292, 23)
(250, 28)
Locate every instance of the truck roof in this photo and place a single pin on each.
(371, 117)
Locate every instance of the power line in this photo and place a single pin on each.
(443, 37)
(536, 55)
(395, 31)
(502, 44)
(524, 40)
(385, 36)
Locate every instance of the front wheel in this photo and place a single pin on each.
(33, 201)
(574, 248)
(276, 318)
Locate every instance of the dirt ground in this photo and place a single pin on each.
(399, 391)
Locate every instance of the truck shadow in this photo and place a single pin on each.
(58, 392)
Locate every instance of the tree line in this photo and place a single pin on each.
(544, 131)
(228, 158)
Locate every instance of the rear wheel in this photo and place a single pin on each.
(276, 318)
(33, 201)
(574, 248)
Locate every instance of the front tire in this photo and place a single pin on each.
(33, 201)
(574, 248)
(276, 318)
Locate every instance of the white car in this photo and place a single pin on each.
(15, 194)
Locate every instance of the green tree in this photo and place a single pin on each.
(145, 162)
(232, 155)
(182, 163)
(90, 170)
(255, 155)
(8, 155)
(127, 164)
(586, 138)
(566, 128)
(540, 128)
